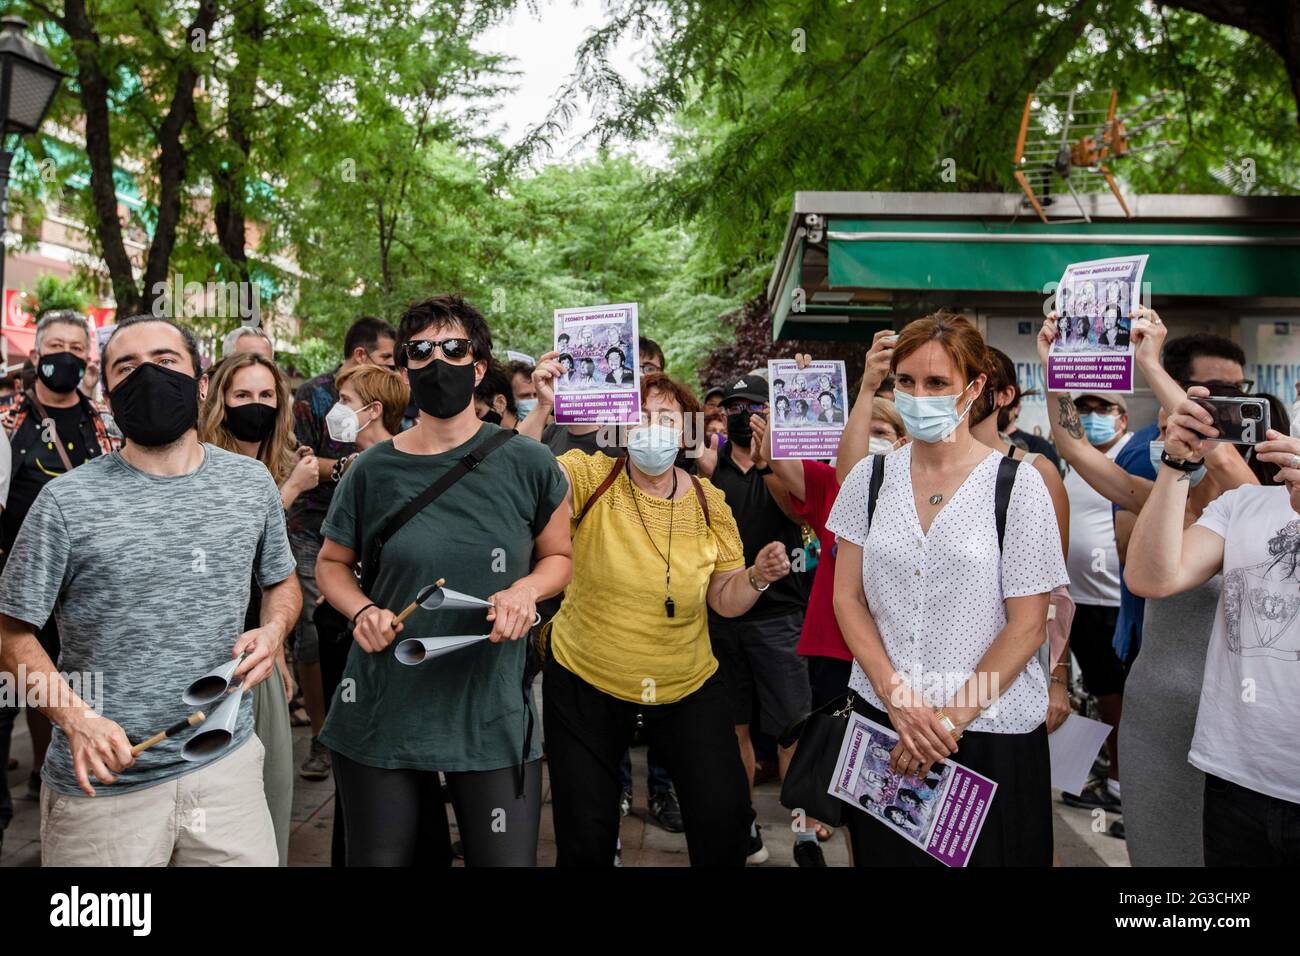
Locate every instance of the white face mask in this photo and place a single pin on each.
(343, 424)
(653, 448)
(879, 446)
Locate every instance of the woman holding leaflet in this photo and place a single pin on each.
(943, 618)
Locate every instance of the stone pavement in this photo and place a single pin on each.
(645, 843)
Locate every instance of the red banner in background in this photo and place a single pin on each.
(18, 318)
(18, 326)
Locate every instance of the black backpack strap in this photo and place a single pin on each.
(370, 566)
(1002, 494)
(873, 491)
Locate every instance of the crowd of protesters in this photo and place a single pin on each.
(668, 582)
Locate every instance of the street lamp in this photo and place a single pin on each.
(28, 82)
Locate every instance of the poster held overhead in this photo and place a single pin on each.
(807, 408)
(1093, 350)
(600, 378)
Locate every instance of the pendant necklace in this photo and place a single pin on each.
(670, 608)
(936, 498)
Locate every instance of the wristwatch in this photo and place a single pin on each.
(948, 725)
(749, 573)
(765, 470)
(1180, 464)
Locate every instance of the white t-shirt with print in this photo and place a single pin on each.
(1249, 714)
(938, 598)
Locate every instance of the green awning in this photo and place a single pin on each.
(1186, 259)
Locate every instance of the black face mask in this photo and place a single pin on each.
(738, 430)
(61, 371)
(154, 406)
(492, 417)
(251, 422)
(441, 389)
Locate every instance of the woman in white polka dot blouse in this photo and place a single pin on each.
(942, 622)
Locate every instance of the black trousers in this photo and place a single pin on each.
(399, 817)
(1018, 828)
(335, 642)
(587, 731)
(1243, 827)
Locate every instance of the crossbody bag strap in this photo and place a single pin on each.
(601, 489)
(370, 566)
(45, 417)
(699, 496)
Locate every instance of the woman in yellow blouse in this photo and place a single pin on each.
(653, 548)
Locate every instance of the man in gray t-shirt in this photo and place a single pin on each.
(145, 558)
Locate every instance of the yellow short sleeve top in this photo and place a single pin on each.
(612, 629)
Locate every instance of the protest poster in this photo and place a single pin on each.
(942, 813)
(1093, 350)
(600, 378)
(808, 407)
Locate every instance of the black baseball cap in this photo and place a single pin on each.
(751, 387)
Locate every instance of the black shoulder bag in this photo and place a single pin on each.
(821, 733)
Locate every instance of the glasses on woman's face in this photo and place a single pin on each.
(421, 350)
(1224, 389)
(648, 367)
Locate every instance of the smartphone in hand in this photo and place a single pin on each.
(1240, 420)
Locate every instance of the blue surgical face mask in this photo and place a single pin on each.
(653, 448)
(525, 406)
(1157, 447)
(1098, 427)
(930, 418)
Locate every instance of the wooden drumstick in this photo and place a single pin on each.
(410, 608)
(195, 718)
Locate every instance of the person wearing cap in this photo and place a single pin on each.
(713, 397)
(756, 651)
(1163, 702)
(1093, 565)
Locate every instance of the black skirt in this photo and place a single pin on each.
(1018, 829)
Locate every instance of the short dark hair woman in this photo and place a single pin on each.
(499, 533)
(654, 550)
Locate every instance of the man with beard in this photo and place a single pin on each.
(121, 551)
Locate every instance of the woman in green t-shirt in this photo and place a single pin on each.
(500, 533)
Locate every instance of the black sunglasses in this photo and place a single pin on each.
(421, 349)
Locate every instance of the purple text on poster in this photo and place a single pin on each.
(617, 409)
(1090, 373)
(815, 443)
(960, 818)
